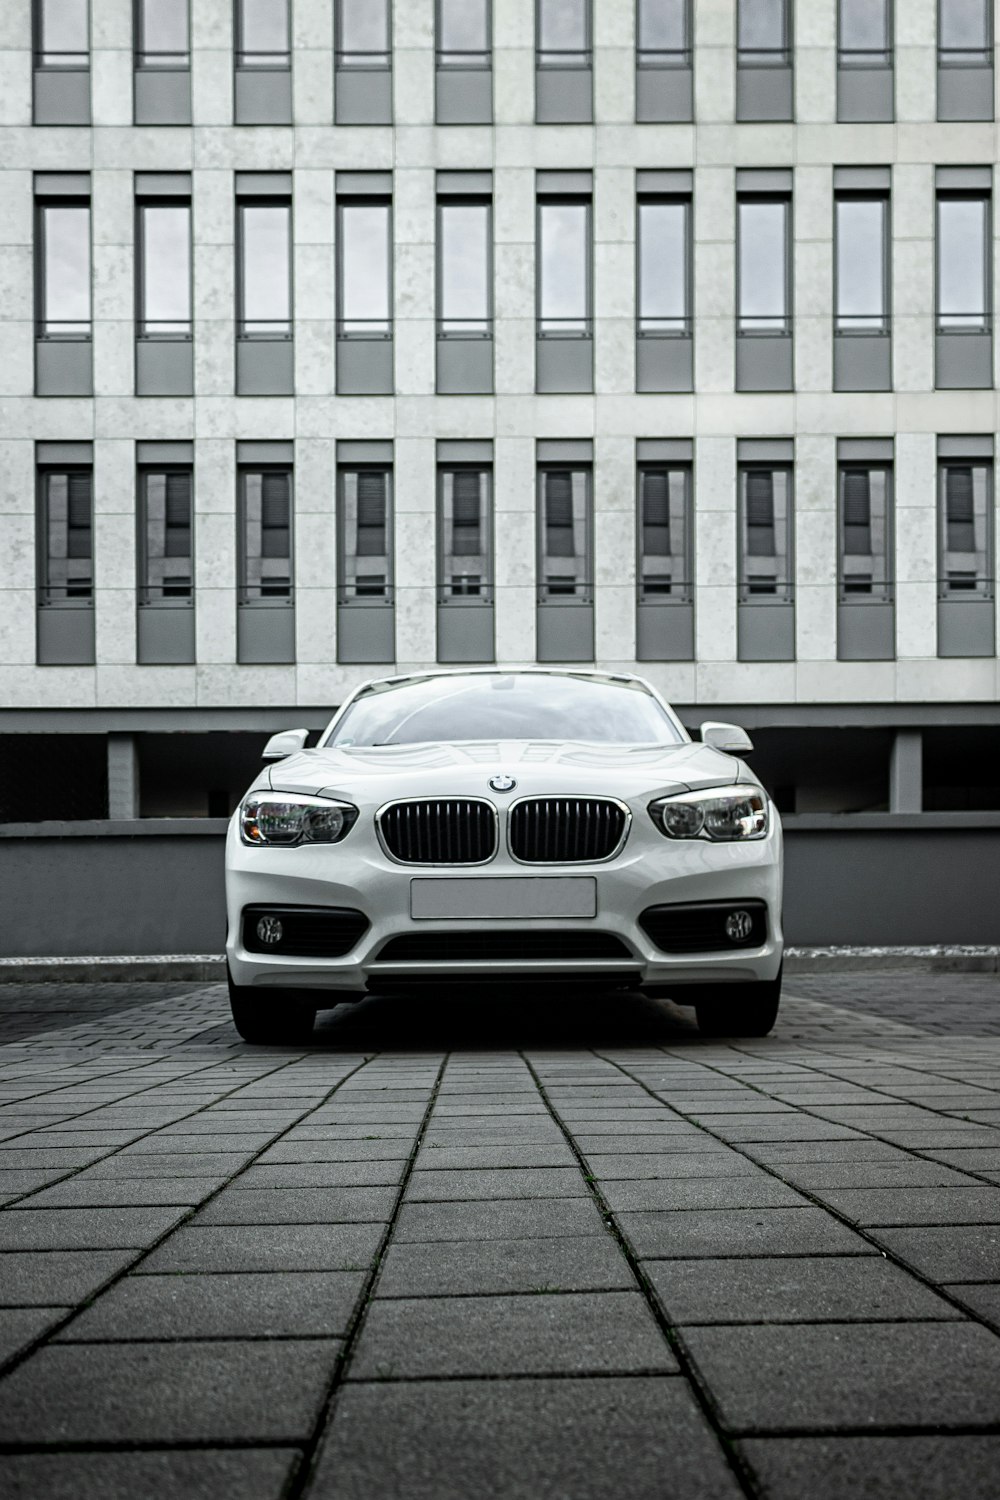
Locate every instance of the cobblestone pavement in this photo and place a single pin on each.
(516, 1250)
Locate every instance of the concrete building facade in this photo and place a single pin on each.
(674, 318)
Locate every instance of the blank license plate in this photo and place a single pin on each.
(505, 896)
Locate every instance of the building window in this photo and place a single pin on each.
(165, 535)
(565, 568)
(963, 262)
(365, 534)
(563, 32)
(162, 36)
(865, 532)
(364, 249)
(664, 246)
(864, 34)
(965, 528)
(264, 288)
(764, 265)
(564, 268)
(765, 520)
(862, 262)
(464, 32)
(663, 33)
(265, 535)
(965, 33)
(65, 535)
(263, 34)
(363, 34)
(62, 34)
(465, 550)
(664, 532)
(763, 33)
(164, 268)
(63, 274)
(465, 279)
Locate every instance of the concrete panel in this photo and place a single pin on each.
(164, 367)
(66, 635)
(465, 632)
(965, 93)
(664, 632)
(366, 632)
(565, 632)
(664, 364)
(862, 362)
(162, 96)
(464, 367)
(966, 627)
(62, 97)
(866, 632)
(764, 93)
(765, 632)
(64, 367)
(664, 95)
(564, 365)
(865, 94)
(265, 367)
(963, 361)
(463, 96)
(265, 632)
(763, 362)
(364, 367)
(362, 97)
(165, 634)
(263, 97)
(564, 96)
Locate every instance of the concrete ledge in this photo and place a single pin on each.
(211, 967)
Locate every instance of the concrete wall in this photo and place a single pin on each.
(156, 886)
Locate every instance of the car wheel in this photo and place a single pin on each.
(744, 1010)
(278, 1020)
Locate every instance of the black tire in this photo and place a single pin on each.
(743, 1010)
(274, 1018)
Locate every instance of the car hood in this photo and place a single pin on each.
(379, 773)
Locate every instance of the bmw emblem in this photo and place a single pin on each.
(502, 782)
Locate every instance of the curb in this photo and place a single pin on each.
(210, 968)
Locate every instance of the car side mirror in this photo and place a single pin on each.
(728, 737)
(288, 742)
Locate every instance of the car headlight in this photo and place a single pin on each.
(723, 814)
(268, 818)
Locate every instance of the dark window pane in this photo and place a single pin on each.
(964, 25)
(762, 26)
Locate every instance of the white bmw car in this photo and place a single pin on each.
(457, 829)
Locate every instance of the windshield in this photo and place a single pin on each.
(506, 706)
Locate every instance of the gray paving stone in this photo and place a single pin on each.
(345, 1205)
(40, 1158)
(161, 1145)
(856, 1288)
(161, 1393)
(49, 1278)
(268, 1247)
(859, 1150)
(26, 1228)
(447, 1158)
(875, 1468)
(792, 1127)
(522, 1440)
(291, 1304)
(575, 1333)
(912, 1172)
(915, 1205)
(287, 1152)
(126, 1166)
(323, 1174)
(168, 1475)
(502, 1219)
(495, 1182)
(757, 1191)
(670, 1165)
(963, 1253)
(130, 1192)
(20, 1326)
(469, 1267)
(970, 1159)
(688, 1142)
(17, 1180)
(822, 1377)
(982, 1299)
(748, 1231)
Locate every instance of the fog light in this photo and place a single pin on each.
(739, 926)
(270, 931)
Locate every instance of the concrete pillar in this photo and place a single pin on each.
(906, 772)
(123, 776)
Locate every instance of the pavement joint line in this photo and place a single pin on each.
(864, 1233)
(688, 1370)
(26, 1351)
(312, 1448)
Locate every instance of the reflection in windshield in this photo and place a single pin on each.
(510, 706)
